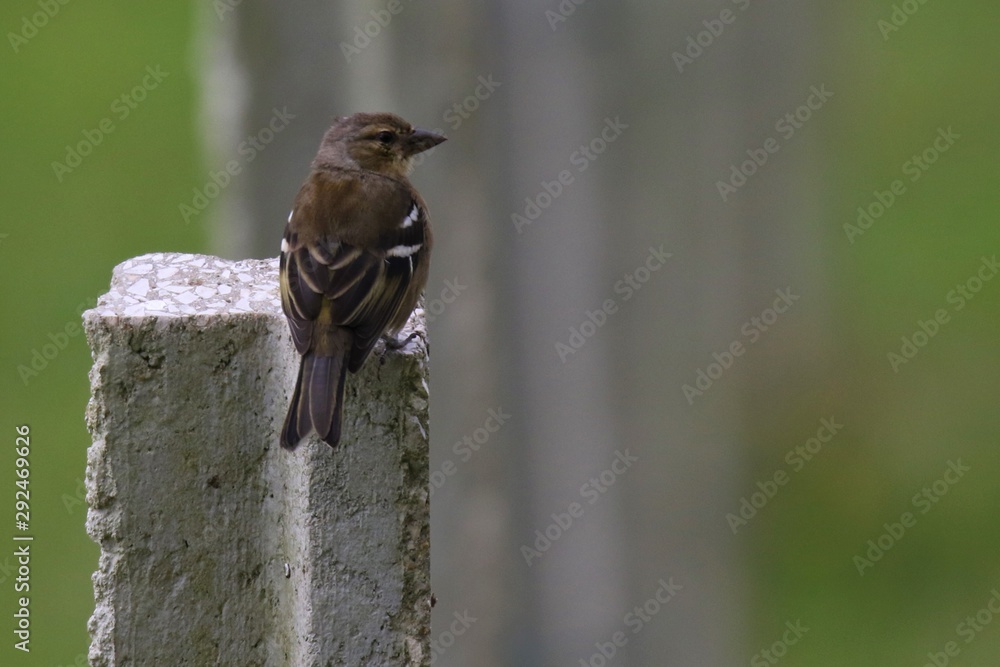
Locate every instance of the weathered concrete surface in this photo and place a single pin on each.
(217, 546)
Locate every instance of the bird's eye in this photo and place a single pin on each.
(385, 137)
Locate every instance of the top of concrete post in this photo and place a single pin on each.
(173, 284)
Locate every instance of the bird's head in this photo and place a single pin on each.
(379, 142)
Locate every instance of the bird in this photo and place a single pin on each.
(354, 261)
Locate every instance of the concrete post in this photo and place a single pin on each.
(217, 546)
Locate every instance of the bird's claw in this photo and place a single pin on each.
(393, 343)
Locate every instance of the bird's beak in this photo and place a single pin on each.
(422, 140)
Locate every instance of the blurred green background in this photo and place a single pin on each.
(60, 238)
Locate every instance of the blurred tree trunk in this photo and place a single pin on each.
(566, 432)
(262, 57)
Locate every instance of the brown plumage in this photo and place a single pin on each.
(354, 260)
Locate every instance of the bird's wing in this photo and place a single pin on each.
(359, 267)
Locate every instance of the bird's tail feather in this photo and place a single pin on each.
(316, 403)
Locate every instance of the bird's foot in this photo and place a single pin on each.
(393, 344)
